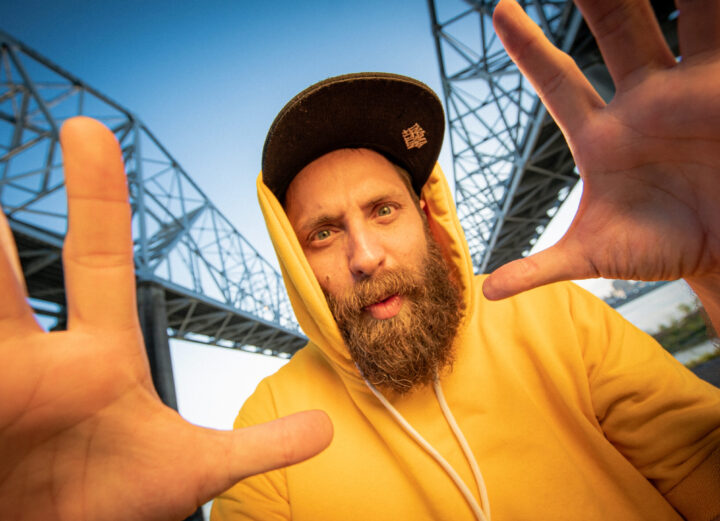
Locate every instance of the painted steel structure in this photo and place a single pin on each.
(512, 167)
(510, 161)
(215, 287)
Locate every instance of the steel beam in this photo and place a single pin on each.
(511, 165)
(153, 322)
(183, 243)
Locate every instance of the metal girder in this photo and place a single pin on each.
(182, 242)
(197, 319)
(511, 164)
(505, 183)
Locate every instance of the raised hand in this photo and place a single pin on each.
(649, 160)
(83, 435)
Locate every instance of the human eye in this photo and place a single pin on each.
(384, 210)
(321, 235)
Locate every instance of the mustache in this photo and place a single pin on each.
(407, 350)
(377, 288)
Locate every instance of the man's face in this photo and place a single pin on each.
(354, 217)
(383, 275)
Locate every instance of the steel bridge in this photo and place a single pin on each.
(198, 278)
(511, 164)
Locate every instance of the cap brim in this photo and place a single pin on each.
(394, 115)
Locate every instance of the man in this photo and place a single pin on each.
(85, 437)
(446, 405)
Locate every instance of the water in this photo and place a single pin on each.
(696, 353)
(659, 307)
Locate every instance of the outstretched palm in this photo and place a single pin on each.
(83, 435)
(649, 160)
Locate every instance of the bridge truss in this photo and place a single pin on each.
(214, 287)
(511, 164)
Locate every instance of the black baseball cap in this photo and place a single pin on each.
(397, 116)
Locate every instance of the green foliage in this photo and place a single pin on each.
(704, 358)
(686, 332)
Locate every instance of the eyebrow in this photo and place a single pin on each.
(320, 220)
(328, 218)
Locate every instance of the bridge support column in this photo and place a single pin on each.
(153, 321)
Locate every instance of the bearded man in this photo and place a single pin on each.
(446, 405)
(398, 323)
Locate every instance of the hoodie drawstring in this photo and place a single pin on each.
(460, 437)
(481, 514)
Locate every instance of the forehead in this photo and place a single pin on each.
(342, 177)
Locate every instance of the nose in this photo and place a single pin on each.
(366, 253)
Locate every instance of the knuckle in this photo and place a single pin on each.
(286, 444)
(610, 17)
(556, 78)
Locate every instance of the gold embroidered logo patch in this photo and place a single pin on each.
(414, 136)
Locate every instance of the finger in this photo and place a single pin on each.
(260, 448)
(7, 243)
(561, 85)
(552, 265)
(698, 26)
(628, 36)
(279, 443)
(15, 313)
(98, 254)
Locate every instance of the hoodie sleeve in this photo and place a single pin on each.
(664, 419)
(263, 497)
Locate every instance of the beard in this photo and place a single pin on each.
(409, 349)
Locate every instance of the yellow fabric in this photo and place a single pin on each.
(571, 412)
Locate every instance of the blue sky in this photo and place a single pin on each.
(208, 77)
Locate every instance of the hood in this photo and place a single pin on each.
(316, 320)
(306, 297)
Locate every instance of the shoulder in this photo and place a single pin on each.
(560, 319)
(561, 300)
(294, 387)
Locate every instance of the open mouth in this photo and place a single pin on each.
(386, 308)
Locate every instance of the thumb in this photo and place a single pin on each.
(235, 455)
(560, 262)
(279, 443)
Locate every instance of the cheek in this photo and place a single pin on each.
(415, 249)
(333, 285)
(329, 273)
(418, 256)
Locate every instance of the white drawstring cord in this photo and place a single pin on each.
(465, 447)
(477, 510)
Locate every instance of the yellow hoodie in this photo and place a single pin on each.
(570, 412)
